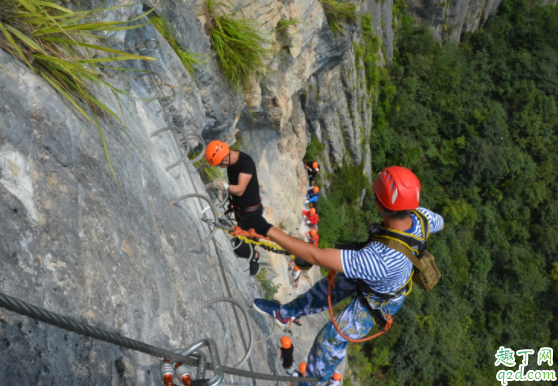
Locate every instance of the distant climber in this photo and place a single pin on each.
(335, 380)
(312, 197)
(313, 237)
(301, 372)
(311, 217)
(312, 168)
(286, 351)
(295, 272)
(370, 274)
(244, 191)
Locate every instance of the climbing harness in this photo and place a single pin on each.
(384, 314)
(187, 357)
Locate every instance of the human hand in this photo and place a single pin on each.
(222, 185)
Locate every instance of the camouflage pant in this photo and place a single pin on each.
(330, 347)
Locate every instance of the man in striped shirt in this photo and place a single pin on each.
(385, 271)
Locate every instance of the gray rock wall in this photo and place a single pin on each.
(72, 244)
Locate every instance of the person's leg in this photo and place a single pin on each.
(330, 347)
(315, 300)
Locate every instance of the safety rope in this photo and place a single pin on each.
(330, 284)
(262, 241)
(66, 323)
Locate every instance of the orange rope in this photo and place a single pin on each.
(330, 283)
(251, 233)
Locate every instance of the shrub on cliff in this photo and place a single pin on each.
(337, 12)
(241, 49)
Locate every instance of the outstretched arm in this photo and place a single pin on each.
(328, 258)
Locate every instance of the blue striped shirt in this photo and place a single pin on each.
(384, 269)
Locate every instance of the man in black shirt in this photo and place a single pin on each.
(244, 191)
(312, 168)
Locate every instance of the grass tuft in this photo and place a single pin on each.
(64, 48)
(336, 13)
(283, 24)
(188, 59)
(269, 289)
(241, 50)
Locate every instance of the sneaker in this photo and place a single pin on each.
(297, 322)
(254, 266)
(271, 307)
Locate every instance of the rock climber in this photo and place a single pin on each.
(335, 379)
(244, 192)
(312, 197)
(286, 351)
(301, 372)
(311, 217)
(295, 273)
(374, 276)
(312, 235)
(312, 168)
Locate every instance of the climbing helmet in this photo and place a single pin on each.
(397, 188)
(215, 152)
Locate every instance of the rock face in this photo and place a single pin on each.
(449, 19)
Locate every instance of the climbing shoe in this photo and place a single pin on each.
(271, 307)
(254, 266)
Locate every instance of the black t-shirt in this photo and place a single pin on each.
(287, 355)
(312, 171)
(246, 165)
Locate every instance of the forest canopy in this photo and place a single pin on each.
(477, 122)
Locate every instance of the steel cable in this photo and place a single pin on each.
(66, 323)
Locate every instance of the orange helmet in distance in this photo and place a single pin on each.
(216, 151)
(296, 268)
(312, 211)
(316, 189)
(313, 232)
(315, 165)
(337, 376)
(302, 367)
(286, 342)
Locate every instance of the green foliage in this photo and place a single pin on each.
(188, 59)
(57, 44)
(283, 24)
(269, 289)
(368, 53)
(341, 218)
(337, 13)
(241, 49)
(313, 149)
(477, 123)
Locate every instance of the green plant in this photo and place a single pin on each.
(336, 13)
(269, 289)
(283, 24)
(241, 50)
(313, 149)
(59, 45)
(188, 59)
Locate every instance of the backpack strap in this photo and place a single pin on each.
(400, 247)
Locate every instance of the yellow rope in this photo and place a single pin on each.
(268, 244)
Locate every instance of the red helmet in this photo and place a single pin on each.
(312, 211)
(215, 152)
(316, 189)
(337, 376)
(397, 188)
(313, 232)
